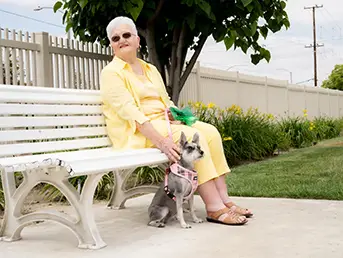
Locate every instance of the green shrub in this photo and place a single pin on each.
(327, 128)
(252, 135)
(298, 130)
(247, 136)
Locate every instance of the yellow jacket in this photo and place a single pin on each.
(121, 104)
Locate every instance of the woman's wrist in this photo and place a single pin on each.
(150, 132)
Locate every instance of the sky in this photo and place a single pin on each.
(289, 58)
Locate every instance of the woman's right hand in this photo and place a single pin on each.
(168, 147)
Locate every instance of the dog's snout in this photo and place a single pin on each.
(202, 152)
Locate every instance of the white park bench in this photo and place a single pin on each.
(51, 135)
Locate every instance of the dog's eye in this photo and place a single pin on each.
(190, 148)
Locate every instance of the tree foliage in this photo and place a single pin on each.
(335, 80)
(170, 28)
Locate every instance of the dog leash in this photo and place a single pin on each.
(168, 123)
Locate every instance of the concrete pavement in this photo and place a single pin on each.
(280, 228)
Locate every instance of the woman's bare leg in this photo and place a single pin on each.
(223, 192)
(212, 199)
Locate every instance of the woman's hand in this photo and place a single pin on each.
(168, 147)
(172, 120)
(170, 116)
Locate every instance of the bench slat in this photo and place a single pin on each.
(37, 147)
(48, 98)
(25, 89)
(39, 109)
(85, 167)
(19, 121)
(107, 152)
(41, 134)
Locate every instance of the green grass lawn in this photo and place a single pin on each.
(309, 173)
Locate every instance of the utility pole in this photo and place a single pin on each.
(315, 45)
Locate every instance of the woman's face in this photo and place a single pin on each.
(124, 41)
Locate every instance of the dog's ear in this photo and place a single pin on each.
(183, 139)
(196, 138)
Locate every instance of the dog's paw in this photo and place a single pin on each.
(197, 220)
(186, 226)
(161, 225)
(157, 224)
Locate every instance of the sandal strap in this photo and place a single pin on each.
(231, 218)
(236, 208)
(218, 213)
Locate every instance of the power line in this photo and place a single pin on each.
(335, 27)
(315, 45)
(336, 23)
(305, 81)
(30, 18)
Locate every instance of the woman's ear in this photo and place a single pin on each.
(138, 42)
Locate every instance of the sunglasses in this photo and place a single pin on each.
(125, 35)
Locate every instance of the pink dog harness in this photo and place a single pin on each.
(190, 175)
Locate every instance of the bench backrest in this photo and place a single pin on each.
(41, 120)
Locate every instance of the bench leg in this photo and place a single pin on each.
(120, 195)
(84, 226)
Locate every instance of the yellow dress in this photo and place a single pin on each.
(128, 97)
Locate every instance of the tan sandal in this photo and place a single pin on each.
(231, 219)
(241, 211)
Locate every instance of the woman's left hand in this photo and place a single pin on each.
(171, 118)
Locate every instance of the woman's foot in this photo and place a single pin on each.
(226, 216)
(240, 211)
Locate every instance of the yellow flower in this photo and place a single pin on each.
(227, 139)
(197, 104)
(238, 110)
(311, 128)
(305, 111)
(305, 114)
(211, 105)
(232, 108)
(270, 116)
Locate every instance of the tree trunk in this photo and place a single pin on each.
(151, 42)
(179, 81)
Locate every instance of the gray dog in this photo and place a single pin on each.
(179, 186)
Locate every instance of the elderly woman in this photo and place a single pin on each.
(134, 101)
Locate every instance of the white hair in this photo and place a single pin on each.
(120, 20)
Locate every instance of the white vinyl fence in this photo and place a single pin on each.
(40, 59)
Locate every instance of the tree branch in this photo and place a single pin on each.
(157, 12)
(177, 73)
(195, 56)
(151, 42)
(151, 38)
(176, 36)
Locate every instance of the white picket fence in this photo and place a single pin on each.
(44, 60)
